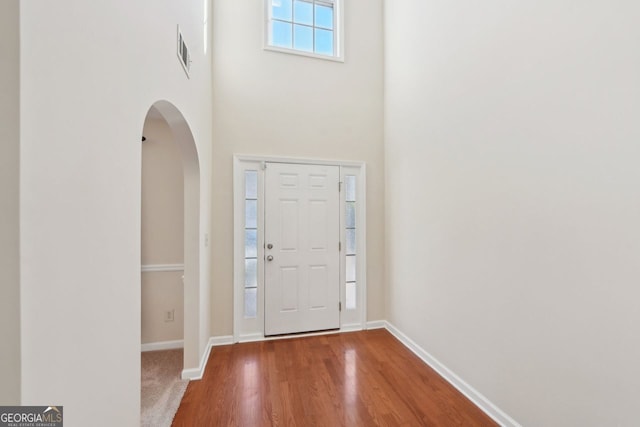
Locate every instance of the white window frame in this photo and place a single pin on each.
(252, 329)
(351, 319)
(338, 34)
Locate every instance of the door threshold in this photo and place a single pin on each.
(304, 334)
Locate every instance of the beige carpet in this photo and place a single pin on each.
(162, 388)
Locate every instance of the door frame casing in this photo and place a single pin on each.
(252, 329)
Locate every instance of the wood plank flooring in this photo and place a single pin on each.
(363, 378)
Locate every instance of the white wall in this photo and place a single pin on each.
(162, 196)
(162, 291)
(162, 233)
(512, 200)
(89, 73)
(9, 205)
(271, 103)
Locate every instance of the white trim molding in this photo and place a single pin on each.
(351, 327)
(220, 340)
(162, 345)
(198, 373)
(471, 393)
(376, 324)
(250, 337)
(297, 160)
(149, 268)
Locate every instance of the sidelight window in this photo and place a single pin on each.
(351, 244)
(250, 243)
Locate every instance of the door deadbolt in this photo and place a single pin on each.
(269, 246)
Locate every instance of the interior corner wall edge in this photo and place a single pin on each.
(511, 150)
(9, 202)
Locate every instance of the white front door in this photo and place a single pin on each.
(302, 257)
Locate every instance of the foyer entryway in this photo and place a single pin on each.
(299, 246)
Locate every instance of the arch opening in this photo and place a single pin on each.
(182, 138)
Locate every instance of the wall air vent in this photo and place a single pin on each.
(183, 53)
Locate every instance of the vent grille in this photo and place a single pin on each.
(183, 53)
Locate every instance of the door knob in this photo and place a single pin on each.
(270, 258)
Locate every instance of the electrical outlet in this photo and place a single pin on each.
(169, 315)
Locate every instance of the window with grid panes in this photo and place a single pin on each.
(250, 243)
(304, 26)
(350, 234)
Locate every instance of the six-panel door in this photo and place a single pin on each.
(302, 258)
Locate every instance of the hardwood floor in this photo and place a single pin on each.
(363, 378)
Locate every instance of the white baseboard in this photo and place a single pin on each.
(352, 327)
(251, 337)
(220, 340)
(376, 324)
(198, 373)
(472, 394)
(162, 345)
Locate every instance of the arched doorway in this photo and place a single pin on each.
(183, 139)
